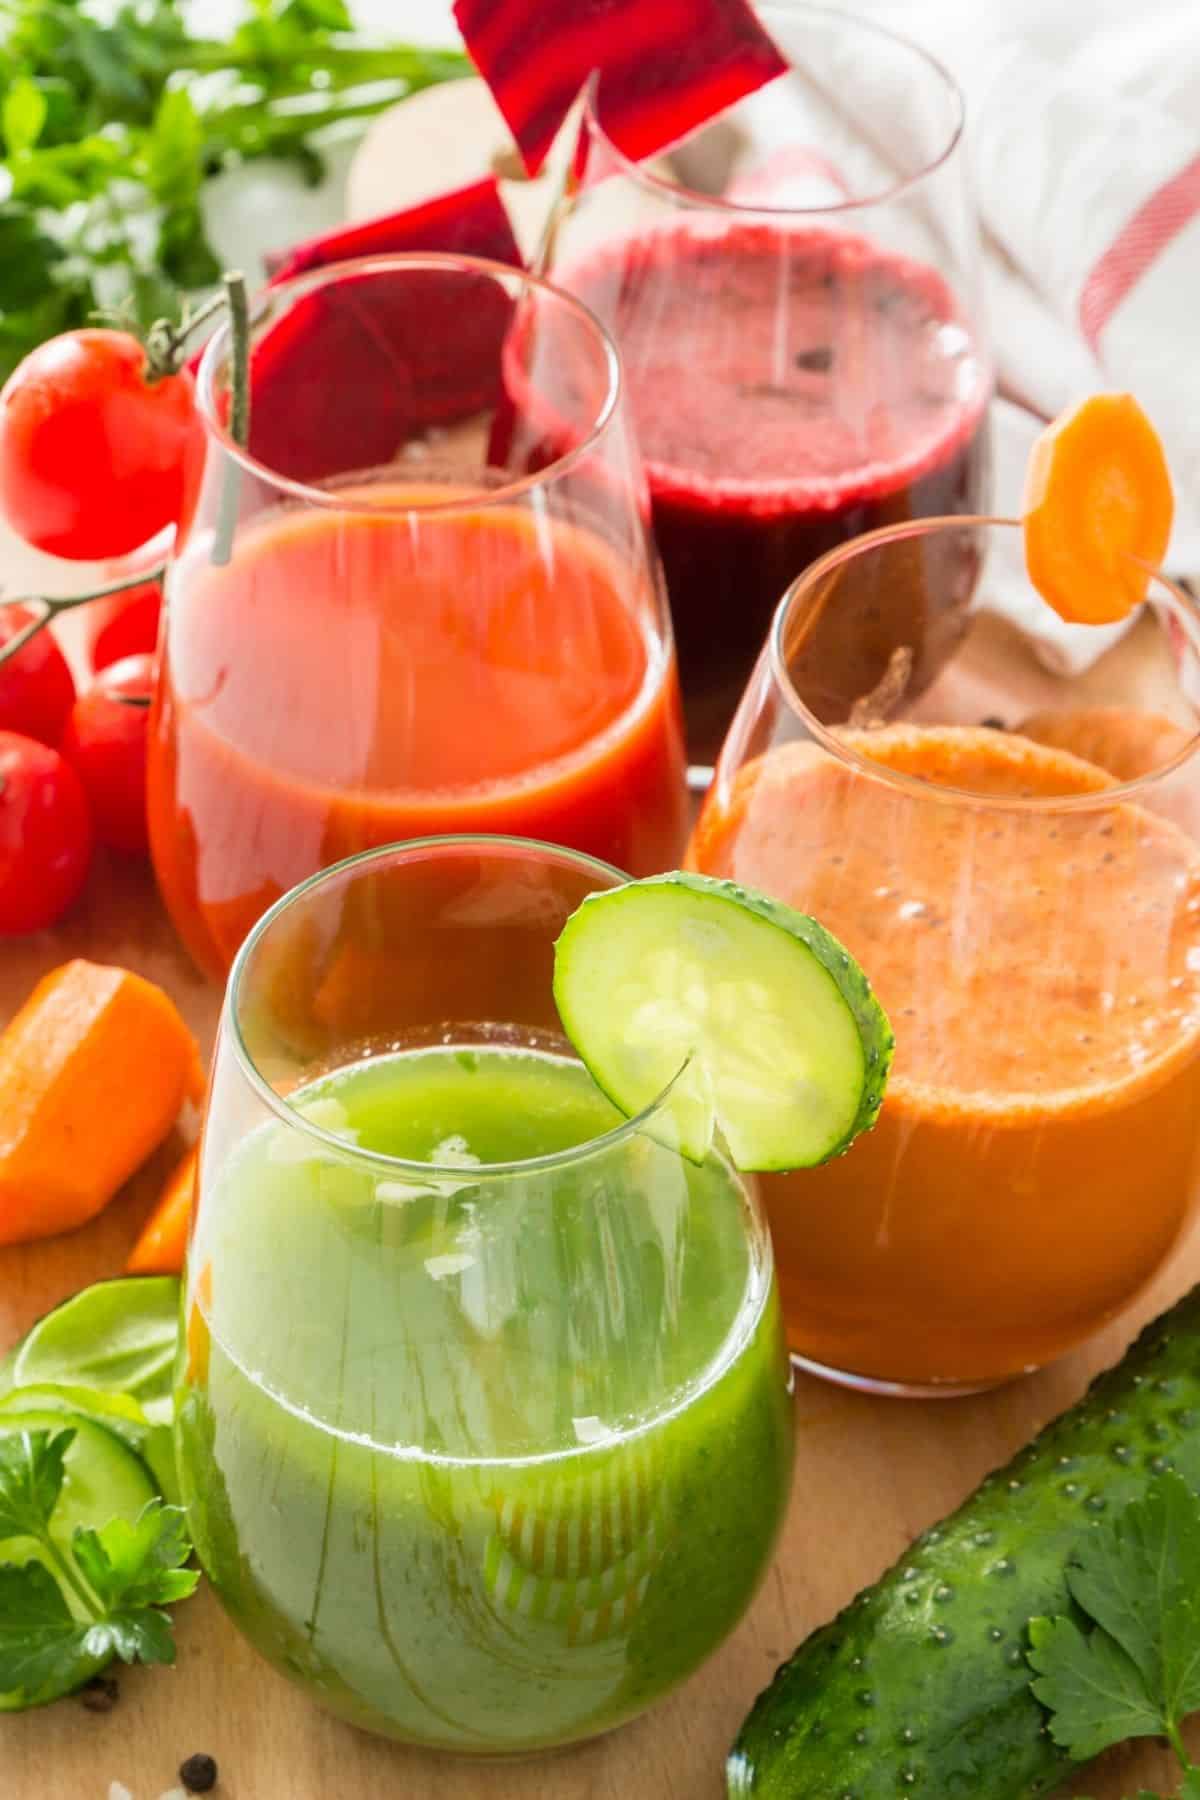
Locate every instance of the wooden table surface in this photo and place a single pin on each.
(870, 1474)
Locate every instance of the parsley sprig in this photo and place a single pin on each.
(112, 116)
(1129, 1665)
(72, 1607)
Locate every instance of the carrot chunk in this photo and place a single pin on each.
(163, 1241)
(93, 1071)
(1097, 509)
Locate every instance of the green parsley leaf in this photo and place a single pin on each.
(1094, 1691)
(133, 1566)
(134, 1637)
(31, 1478)
(23, 115)
(43, 1648)
(122, 1577)
(1135, 1672)
(1138, 1579)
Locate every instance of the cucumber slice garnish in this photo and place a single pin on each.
(773, 1024)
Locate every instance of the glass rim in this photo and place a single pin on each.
(281, 1105)
(1176, 601)
(681, 195)
(450, 262)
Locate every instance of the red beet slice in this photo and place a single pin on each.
(355, 370)
(665, 65)
(470, 221)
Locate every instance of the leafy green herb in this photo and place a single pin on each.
(115, 1336)
(69, 1610)
(1134, 1671)
(113, 116)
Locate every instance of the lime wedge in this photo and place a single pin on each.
(754, 1017)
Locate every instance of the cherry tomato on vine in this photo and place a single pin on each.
(94, 459)
(36, 689)
(105, 742)
(45, 834)
(123, 625)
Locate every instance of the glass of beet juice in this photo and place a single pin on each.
(379, 625)
(797, 309)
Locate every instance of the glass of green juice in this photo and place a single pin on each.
(484, 1423)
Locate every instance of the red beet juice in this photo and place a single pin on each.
(792, 388)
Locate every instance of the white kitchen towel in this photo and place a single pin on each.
(1084, 132)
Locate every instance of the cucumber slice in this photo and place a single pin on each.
(116, 1413)
(773, 1024)
(103, 1480)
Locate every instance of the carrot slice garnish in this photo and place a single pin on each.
(1097, 509)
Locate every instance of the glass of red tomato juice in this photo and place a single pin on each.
(379, 625)
(795, 294)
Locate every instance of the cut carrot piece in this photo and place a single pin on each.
(93, 1071)
(160, 1248)
(1097, 509)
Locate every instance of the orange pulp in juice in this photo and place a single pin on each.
(350, 679)
(1035, 1157)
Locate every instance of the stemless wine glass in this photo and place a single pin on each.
(380, 623)
(800, 321)
(1014, 856)
(483, 1424)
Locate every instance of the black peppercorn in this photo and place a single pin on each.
(199, 1773)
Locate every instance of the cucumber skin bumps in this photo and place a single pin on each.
(920, 1686)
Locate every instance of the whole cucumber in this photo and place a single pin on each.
(920, 1686)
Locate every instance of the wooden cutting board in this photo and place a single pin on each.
(870, 1474)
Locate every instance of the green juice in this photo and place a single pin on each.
(489, 1460)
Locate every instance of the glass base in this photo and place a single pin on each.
(896, 1390)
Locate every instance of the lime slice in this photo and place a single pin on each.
(753, 1015)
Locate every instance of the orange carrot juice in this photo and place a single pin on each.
(1038, 950)
(349, 679)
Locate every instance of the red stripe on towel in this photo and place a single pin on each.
(1144, 237)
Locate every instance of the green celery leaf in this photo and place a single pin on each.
(1139, 1579)
(1191, 1785)
(42, 1647)
(138, 1565)
(31, 1478)
(1094, 1691)
(23, 115)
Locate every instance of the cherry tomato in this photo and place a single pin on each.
(94, 459)
(123, 624)
(45, 834)
(105, 742)
(36, 689)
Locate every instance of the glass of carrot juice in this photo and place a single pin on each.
(380, 623)
(1015, 856)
